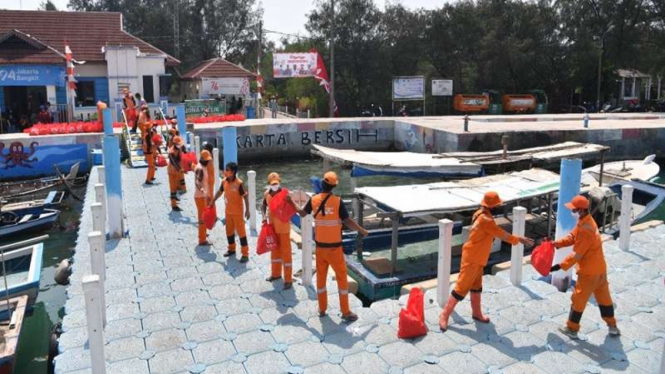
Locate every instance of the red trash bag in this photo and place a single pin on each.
(157, 140)
(188, 161)
(412, 318)
(280, 208)
(161, 161)
(542, 257)
(267, 239)
(210, 217)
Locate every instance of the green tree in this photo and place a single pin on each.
(48, 6)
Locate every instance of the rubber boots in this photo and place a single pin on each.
(476, 309)
(446, 312)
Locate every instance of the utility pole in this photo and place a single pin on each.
(259, 86)
(176, 28)
(332, 59)
(600, 64)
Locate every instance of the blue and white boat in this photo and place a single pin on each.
(22, 269)
(34, 207)
(13, 224)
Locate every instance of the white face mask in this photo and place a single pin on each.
(576, 215)
(274, 187)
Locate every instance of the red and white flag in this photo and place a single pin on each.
(71, 81)
(323, 78)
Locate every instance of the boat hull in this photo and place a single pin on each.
(45, 221)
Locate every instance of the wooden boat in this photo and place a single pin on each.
(645, 170)
(12, 224)
(11, 324)
(36, 188)
(34, 207)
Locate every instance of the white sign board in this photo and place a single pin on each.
(224, 86)
(294, 65)
(409, 88)
(442, 87)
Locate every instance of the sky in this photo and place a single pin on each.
(286, 16)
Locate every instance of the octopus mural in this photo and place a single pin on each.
(16, 155)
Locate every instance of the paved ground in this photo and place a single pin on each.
(176, 308)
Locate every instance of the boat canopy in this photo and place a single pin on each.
(399, 163)
(456, 196)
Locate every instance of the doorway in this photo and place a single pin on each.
(148, 91)
(23, 101)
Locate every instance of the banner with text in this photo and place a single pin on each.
(409, 88)
(442, 87)
(32, 75)
(294, 65)
(224, 86)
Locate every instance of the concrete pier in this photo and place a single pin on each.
(173, 307)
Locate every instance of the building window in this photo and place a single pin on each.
(85, 93)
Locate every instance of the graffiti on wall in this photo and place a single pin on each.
(24, 159)
(414, 138)
(323, 137)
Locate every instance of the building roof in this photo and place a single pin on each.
(218, 68)
(85, 32)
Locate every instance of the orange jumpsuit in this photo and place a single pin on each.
(328, 220)
(130, 110)
(182, 186)
(476, 252)
(591, 272)
(174, 173)
(149, 151)
(144, 122)
(281, 257)
(234, 194)
(201, 197)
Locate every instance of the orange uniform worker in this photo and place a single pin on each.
(144, 119)
(475, 253)
(202, 195)
(235, 199)
(591, 269)
(329, 216)
(149, 152)
(280, 257)
(100, 109)
(211, 166)
(175, 170)
(173, 133)
(129, 107)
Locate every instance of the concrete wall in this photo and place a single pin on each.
(295, 139)
(27, 156)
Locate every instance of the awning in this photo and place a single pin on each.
(398, 163)
(459, 196)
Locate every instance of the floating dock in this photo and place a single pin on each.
(175, 308)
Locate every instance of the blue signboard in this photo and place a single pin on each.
(25, 159)
(32, 75)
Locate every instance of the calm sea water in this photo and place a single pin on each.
(295, 174)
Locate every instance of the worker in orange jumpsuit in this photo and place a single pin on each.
(475, 253)
(235, 199)
(144, 119)
(149, 152)
(591, 269)
(129, 107)
(202, 195)
(280, 257)
(173, 133)
(175, 170)
(329, 216)
(211, 166)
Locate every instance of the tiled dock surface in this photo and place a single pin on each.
(176, 308)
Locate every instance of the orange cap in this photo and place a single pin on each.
(177, 140)
(578, 202)
(206, 156)
(330, 178)
(491, 200)
(273, 178)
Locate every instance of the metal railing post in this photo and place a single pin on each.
(98, 266)
(92, 291)
(626, 214)
(517, 254)
(444, 262)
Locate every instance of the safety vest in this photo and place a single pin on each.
(232, 197)
(202, 184)
(327, 223)
(175, 156)
(279, 226)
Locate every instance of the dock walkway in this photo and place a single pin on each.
(176, 308)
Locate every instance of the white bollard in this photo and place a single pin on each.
(307, 249)
(92, 291)
(626, 215)
(97, 217)
(517, 253)
(251, 181)
(662, 360)
(215, 161)
(100, 197)
(445, 260)
(101, 173)
(197, 147)
(98, 265)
